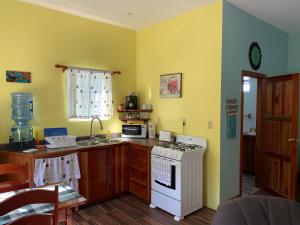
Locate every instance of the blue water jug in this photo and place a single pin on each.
(22, 114)
(22, 107)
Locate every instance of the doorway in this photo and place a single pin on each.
(248, 135)
(269, 148)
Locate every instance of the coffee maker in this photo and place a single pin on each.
(131, 102)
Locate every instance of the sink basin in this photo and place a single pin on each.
(109, 141)
(86, 143)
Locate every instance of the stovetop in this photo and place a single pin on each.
(183, 148)
(179, 146)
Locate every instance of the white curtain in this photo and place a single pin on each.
(89, 94)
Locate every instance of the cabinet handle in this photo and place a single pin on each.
(291, 140)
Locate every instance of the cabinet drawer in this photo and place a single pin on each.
(138, 161)
(138, 157)
(138, 174)
(138, 190)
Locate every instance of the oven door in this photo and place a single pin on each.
(174, 189)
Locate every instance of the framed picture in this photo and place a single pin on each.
(18, 76)
(171, 85)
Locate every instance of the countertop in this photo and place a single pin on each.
(69, 150)
(250, 134)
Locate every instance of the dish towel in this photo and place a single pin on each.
(161, 170)
(64, 169)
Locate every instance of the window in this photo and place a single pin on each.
(246, 84)
(89, 94)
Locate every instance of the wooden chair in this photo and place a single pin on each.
(36, 196)
(13, 177)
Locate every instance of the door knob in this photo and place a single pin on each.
(291, 140)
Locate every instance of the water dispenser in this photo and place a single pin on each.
(22, 113)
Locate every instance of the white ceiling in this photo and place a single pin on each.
(133, 14)
(137, 14)
(284, 14)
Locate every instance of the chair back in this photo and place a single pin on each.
(36, 196)
(35, 219)
(13, 177)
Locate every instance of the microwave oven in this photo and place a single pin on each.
(134, 130)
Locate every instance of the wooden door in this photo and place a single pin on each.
(277, 133)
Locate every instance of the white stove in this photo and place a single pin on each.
(177, 175)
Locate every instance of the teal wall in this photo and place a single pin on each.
(294, 53)
(240, 29)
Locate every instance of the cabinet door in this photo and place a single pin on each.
(139, 170)
(97, 174)
(111, 172)
(121, 168)
(83, 182)
(248, 159)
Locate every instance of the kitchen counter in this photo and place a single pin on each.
(145, 142)
(252, 133)
(107, 170)
(69, 150)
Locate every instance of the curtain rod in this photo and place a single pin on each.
(64, 68)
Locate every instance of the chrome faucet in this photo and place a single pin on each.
(92, 137)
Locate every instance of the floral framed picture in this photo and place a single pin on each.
(171, 85)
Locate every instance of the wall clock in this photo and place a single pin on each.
(255, 56)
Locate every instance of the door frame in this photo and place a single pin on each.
(260, 77)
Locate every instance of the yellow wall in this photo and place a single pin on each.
(191, 44)
(34, 39)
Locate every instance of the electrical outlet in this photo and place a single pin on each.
(183, 121)
(210, 125)
(158, 120)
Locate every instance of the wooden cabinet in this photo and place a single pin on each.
(93, 182)
(104, 172)
(121, 168)
(140, 170)
(248, 159)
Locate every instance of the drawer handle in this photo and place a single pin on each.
(291, 140)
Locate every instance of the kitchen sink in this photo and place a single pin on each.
(86, 143)
(109, 141)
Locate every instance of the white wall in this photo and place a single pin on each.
(250, 105)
